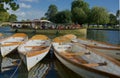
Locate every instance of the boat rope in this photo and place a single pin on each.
(15, 70)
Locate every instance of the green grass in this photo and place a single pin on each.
(78, 32)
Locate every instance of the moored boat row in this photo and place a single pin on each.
(77, 55)
(85, 61)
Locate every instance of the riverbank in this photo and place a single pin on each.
(114, 29)
(79, 32)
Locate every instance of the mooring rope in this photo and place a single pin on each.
(15, 70)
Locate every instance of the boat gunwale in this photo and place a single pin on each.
(93, 46)
(12, 36)
(87, 68)
(100, 42)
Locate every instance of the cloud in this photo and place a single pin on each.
(31, 14)
(29, 0)
(23, 5)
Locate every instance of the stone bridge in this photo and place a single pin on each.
(5, 23)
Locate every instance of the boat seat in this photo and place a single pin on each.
(10, 44)
(36, 47)
(91, 65)
(95, 64)
(81, 60)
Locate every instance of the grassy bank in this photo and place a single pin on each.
(78, 32)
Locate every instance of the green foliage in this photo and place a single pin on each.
(118, 13)
(80, 4)
(12, 18)
(80, 10)
(79, 15)
(52, 11)
(63, 17)
(12, 4)
(4, 16)
(113, 19)
(99, 15)
(43, 18)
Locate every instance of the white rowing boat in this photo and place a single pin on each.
(109, 49)
(11, 43)
(34, 50)
(84, 61)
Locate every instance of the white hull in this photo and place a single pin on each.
(33, 60)
(5, 48)
(82, 72)
(34, 50)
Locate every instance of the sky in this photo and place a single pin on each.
(35, 9)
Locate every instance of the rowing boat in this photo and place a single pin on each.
(108, 49)
(11, 43)
(85, 61)
(34, 50)
(9, 67)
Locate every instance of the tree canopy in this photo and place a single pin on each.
(63, 17)
(99, 15)
(118, 13)
(80, 10)
(113, 19)
(12, 4)
(12, 18)
(4, 16)
(52, 11)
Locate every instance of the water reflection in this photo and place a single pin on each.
(109, 36)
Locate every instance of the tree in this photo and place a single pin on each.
(118, 13)
(113, 19)
(12, 18)
(80, 10)
(79, 15)
(63, 17)
(52, 11)
(43, 18)
(12, 4)
(118, 16)
(99, 15)
(4, 16)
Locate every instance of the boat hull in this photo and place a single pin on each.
(80, 71)
(32, 60)
(5, 50)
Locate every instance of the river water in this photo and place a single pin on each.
(55, 68)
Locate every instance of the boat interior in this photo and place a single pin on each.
(34, 45)
(87, 57)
